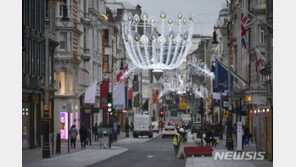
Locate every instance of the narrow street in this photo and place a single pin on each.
(155, 152)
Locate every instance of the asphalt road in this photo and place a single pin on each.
(155, 152)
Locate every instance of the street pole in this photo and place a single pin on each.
(229, 120)
(46, 119)
(221, 116)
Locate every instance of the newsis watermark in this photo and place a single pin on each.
(230, 155)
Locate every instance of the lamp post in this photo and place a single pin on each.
(46, 119)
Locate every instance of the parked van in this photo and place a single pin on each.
(142, 126)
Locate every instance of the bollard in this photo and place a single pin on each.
(89, 134)
(58, 144)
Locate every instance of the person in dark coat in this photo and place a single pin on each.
(73, 135)
(83, 135)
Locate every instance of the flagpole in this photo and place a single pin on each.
(239, 7)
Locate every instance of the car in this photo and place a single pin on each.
(155, 127)
(196, 127)
(169, 130)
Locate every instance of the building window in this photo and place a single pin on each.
(261, 3)
(55, 80)
(62, 82)
(61, 8)
(63, 40)
(106, 34)
(84, 8)
(261, 35)
(106, 63)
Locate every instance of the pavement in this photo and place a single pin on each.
(211, 162)
(79, 157)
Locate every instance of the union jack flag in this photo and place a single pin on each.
(246, 23)
(244, 38)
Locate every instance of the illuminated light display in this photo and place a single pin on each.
(162, 45)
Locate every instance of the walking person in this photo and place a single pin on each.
(73, 135)
(95, 131)
(178, 139)
(83, 135)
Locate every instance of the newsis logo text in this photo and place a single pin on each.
(229, 155)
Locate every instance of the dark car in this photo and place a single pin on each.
(196, 127)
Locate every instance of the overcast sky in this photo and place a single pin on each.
(204, 12)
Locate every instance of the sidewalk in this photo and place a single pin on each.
(211, 162)
(94, 154)
(79, 159)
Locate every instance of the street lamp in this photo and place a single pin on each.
(214, 42)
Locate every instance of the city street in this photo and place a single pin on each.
(155, 152)
(118, 70)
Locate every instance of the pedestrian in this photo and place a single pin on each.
(73, 135)
(95, 131)
(246, 135)
(118, 129)
(178, 139)
(132, 126)
(83, 135)
(234, 132)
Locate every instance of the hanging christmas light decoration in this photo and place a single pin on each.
(157, 44)
(197, 67)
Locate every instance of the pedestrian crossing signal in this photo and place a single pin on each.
(226, 113)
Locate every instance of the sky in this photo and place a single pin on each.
(204, 12)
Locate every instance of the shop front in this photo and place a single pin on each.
(31, 121)
(262, 130)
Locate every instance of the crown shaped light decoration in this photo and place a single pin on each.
(161, 44)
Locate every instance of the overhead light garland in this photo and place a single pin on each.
(158, 45)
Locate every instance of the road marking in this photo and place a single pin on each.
(150, 156)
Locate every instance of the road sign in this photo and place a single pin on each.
(45, 107)
(226, 113)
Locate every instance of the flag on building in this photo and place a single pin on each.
(104, 89)
(118, 77)
(90, 94)
(246, 23)
(257, 62)
(221, 77)
(244, 38)
(119, 97)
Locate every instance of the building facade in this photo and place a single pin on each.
(33, 70)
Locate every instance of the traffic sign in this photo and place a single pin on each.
(45, 107)
(226, 113)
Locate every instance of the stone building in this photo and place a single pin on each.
(33, 70)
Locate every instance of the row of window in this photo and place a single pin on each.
(33, 12)
(33, 57)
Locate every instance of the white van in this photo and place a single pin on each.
(142, 126)
(155, 126)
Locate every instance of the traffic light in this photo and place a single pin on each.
(110, 104)
(161, 113)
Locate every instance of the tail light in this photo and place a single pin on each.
(178, 127)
